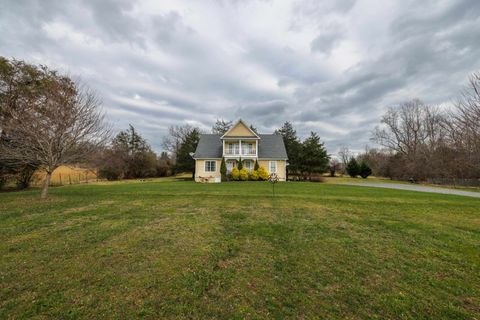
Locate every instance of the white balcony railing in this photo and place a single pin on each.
(243, 153)
(240, 150)
(249, 152)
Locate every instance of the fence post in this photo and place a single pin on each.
(70, 178)
(86, 176)
(79, 178)
(60, 176)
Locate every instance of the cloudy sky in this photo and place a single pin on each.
(331, 66)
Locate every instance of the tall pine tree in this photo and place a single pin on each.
(185, 162)
(292, 146)
(314, 157)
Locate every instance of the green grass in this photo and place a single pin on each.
(167, 249)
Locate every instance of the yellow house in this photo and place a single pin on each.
(239, 143)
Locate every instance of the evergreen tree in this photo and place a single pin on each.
(221, 127)
(129, 157)
(364, 170)
(292, 146)
(256, 166)
(185, 162)
(314, 157)
(130, 142)
(240, 164)
(353, 169)
(223, 169)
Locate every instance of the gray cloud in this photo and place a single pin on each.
(328, 66)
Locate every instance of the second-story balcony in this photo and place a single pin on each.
(249, 152)
(234, 149)
(245, 152)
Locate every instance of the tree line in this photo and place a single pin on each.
(426, 142)
(48, 120)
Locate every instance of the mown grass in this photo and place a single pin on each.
(167, 249)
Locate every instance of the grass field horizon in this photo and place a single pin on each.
(177, 249)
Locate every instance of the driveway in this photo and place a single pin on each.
(413, 187)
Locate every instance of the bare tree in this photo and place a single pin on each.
(221, 126)
(464, 127)
(173, 141)
(345, 155)
(63, 126)
(415, 132)
(334, 166)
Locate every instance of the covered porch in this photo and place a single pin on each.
(247, 164)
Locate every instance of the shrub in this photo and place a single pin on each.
(235, 174)
(317, 177)
(240, 164)
(353, 169)
(223, 170)
(110, 173)
(243, 174)
(364, 170)
(263, 173)
(3, 182)
(256, 166)
(254, 175)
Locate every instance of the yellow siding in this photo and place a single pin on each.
(202, 176)
(281, 167)
(240, 130)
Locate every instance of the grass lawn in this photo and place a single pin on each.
(171, 249)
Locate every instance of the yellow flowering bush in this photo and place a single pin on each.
(263, 173)
(243, 174)
(254, 175)
(235, 174)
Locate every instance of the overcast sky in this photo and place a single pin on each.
(329, 66)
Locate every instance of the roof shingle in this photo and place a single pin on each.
(270, 146)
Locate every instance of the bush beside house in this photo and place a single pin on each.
(235, 174)
(243, 174)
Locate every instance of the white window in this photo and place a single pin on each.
(233, 148)
(248, 164)
(250, 149)
(210, 166)
(273, 166)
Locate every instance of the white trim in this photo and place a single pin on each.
(240, 137)
(236, 124)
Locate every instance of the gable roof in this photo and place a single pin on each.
(209, 146)
(254, 134)
(270, 146)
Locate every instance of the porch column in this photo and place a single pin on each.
(241, 151)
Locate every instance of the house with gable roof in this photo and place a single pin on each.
(240, 143)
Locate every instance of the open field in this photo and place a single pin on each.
(170, 249)
(64, 175)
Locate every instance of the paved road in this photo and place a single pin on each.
(412, 187)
